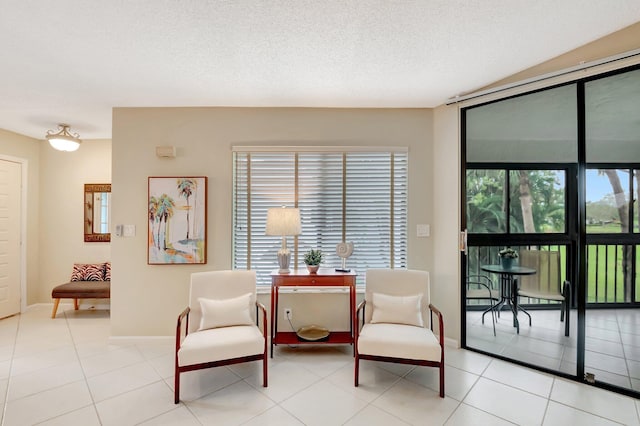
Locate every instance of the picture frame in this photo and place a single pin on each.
(177, 220)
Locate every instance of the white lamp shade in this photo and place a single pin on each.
(64, 144)
(283, 221)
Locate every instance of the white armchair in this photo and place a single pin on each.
(219, 327)
(397, 325)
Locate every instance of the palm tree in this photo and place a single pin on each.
(486, 217)
(185, 189)
(623, 214)
(153, 216)
(485, 201)
(620, 198)
(526, 202)
(164, 212)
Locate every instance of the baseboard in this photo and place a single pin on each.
(452, 343)
(36, 305)
(69, 302)
(97, 306)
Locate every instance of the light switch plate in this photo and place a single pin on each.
(423, 230)
(129, 230)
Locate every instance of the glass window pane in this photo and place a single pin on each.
(538, 127)
(360, 197)
(607, 201)
(537, 202)
(486, 201)
(613, 119)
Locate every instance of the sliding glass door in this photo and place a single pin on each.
(553, 174)
(612, 135)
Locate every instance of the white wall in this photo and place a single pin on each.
(61, 214)
(446, 216)
(146, 299)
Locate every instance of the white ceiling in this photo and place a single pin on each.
(73, 60)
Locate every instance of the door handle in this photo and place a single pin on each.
(463, 242)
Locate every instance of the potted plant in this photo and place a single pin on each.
(507, 256)
(312, 259)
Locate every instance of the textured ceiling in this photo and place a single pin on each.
(73, 60)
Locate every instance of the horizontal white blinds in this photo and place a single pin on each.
(342, 196)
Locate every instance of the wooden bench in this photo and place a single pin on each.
(77, 290)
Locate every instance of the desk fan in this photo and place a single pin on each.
(344, 250)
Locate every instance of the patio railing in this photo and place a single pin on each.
(613, 271)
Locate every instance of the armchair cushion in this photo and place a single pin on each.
(82, 290)
(219, 344)
(397, 309)
(226, 312)
(399, 341)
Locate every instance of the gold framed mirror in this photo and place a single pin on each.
(97, 212)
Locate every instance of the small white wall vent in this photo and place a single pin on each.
(166, 151)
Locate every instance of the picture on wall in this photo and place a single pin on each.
(177, 213)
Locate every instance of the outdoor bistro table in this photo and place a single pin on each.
(509, 287)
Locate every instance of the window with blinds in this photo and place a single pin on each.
(358, 196)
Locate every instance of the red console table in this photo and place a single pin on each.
(302, 278)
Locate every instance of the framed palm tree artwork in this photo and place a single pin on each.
(177, 217)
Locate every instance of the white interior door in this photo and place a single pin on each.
(10, 216)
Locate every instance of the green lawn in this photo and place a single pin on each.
(610, 228)
(605, 272)
(605, 269)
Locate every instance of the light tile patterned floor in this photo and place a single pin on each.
(612, 342)
(67, 372)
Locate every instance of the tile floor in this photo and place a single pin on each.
(612, 342)
(68, 372)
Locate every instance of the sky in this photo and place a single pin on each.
(599, 186)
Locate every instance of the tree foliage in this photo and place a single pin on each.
(486, 201)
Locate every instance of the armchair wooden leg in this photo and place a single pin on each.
(56, 302)
(76, 304)
(357, 370)
(264, 369)
(442, 379)
(176, 388)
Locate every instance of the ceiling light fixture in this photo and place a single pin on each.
(63, 140)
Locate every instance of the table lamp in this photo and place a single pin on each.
(283, 221)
